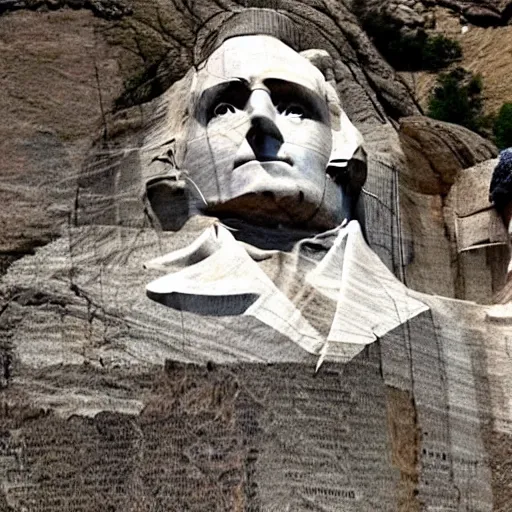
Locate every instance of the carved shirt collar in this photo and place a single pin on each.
(221, 276)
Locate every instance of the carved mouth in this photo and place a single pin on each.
(263, 209)
(262, 159)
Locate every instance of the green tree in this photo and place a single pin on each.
(503, 127)
(408, 51)
(439, 51)
(457, 99)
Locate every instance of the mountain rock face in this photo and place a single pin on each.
(111, 401)
(64, 72)
(483, 30)
(412, 14)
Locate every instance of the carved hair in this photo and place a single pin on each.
(249, 22)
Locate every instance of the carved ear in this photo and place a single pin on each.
(165, 194)
(348, 168)
(346, 138)
(350, 175)
(348, 163)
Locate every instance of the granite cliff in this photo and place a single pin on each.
(110, 404)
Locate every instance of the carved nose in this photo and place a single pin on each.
(262, 114)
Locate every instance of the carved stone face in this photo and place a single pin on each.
(260, 136)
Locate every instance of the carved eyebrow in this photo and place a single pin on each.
(283, 91)
(235, 92)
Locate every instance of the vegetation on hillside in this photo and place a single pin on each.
(503, 127)
(412, 51)
(457, 98)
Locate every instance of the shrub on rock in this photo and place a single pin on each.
(503, 127)
(457, 98)
(409, 51)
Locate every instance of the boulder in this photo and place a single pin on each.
(482, 16)
(408, 16)
(437, 151)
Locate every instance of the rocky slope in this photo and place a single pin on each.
(483, 29)
(487, 51)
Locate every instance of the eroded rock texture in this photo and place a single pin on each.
(112, 402)
(65, 71)
(413, 14)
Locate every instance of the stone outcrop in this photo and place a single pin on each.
(438, 151)
(420, 13)
(76, 68)
(107, 9)
(439, 155)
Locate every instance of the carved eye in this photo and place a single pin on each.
(223, 109)
(293, 111)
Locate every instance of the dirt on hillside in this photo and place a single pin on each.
(486, 51)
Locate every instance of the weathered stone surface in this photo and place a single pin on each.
(112, 401)
(108, 9)
(74, 65)
(56, 76)
(437, 154)
(400, 417)
(438, 151)
(478, 236)
(482, 13)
